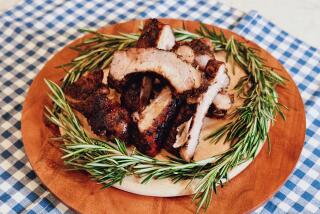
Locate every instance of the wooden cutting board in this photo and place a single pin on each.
(245, 192)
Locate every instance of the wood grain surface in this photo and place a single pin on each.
(245, 192)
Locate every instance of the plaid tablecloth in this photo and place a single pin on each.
(33, 31)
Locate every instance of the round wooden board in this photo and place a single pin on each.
(245, 192)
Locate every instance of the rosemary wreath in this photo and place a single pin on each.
(109, 163)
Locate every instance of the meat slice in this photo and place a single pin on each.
(156, 34)
(181, 75)
(203, 49)
(105, 116)
(220, 106)
(198, 52)
(152, 123)
(177, 129)
(89, 96)
(192, 131)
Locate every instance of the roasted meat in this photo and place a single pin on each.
(156, 34)
(138, 91)
(151, 125)
(184, 114)
(185, 53)
(130, 98)
(105, 116)
(220, 105)
(89, 96)
(188, 132)
(86, 85)
(198, 52)
(181, 75)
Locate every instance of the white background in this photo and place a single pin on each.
(300, 18)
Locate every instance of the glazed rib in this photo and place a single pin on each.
(181, 75)
(156, 34)
(188, 132)
(152, 123)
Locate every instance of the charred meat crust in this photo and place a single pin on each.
(212, 68)
(112, 122)
(156, 34)
(145, 91)
(86, 85)
(202, 46)
(130, 99)
(213, 112)
(184, 113)
(136, 92)
(197, 52)
(150, 34)
(105, 117)
(150, 141)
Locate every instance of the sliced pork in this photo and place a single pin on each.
(185, 53)
(198, 52)
(220, 105)
(177, 128)
(106, 117)
(152, 123)
(156, 34)
(188, 138)
(181, 75)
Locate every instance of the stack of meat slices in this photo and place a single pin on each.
(165, 88)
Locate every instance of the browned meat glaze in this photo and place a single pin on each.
(130, 98)
(202, 46)
(149, 131)
(156, 34)
(150, 33)
(109, 119)
(86, 85)
(185, 112)
(106, 117)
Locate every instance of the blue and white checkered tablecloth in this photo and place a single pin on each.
(33, 31)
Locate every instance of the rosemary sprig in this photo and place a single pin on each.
(109, 163)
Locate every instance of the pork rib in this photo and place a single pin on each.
(181, 75)
(220, 105)
(156, 34)
(152, 123)
(189, 143)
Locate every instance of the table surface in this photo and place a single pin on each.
(299, 18)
